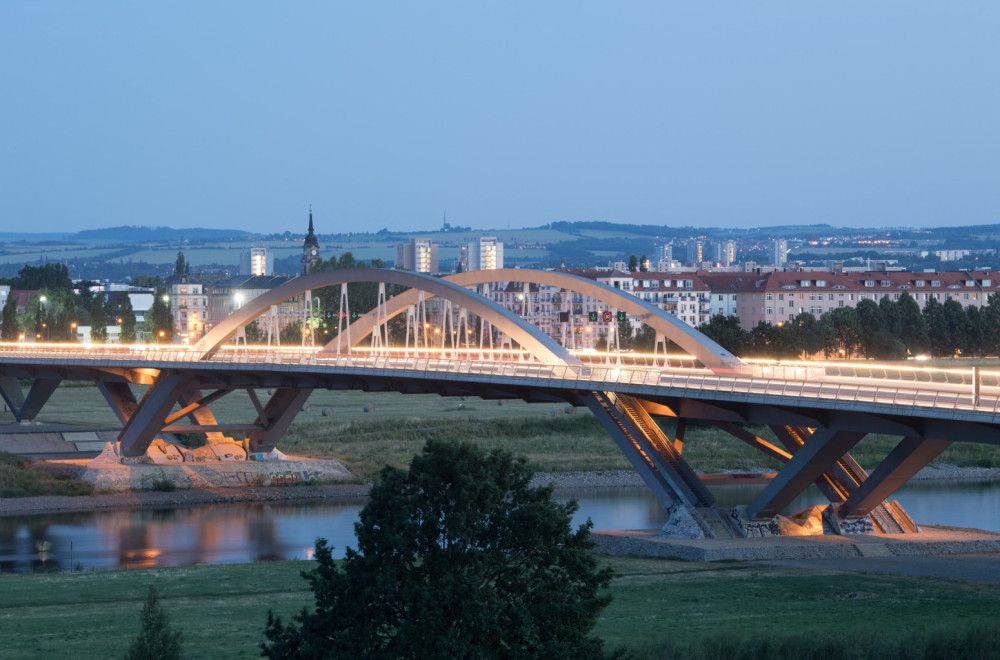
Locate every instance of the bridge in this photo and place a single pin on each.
(817, 411)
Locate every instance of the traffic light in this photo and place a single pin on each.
(329, 314)
(593, 317)
(564, 317)
(354, 316)
(607, 316)
(621, 316)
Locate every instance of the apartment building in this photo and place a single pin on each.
(780, 296)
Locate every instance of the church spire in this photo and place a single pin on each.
(310, 247)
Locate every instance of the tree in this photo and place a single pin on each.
(937, 331)
(49, 276)
(912, 326)
(156, 638)
(8, 326)
(643, 262)
(181, 266)
(159, 321)
(975, 339)
(98, 320)
(726, 332)
(127, 334)
(991, 325)
(459, 557)
(871, 322)
(846, 327)
(812, 334)
(633, 264)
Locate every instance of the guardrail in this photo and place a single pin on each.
(952, 389)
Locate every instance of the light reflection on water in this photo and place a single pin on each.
(239, 533)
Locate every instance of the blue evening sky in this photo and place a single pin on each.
(516, 113)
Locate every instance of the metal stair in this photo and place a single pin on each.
(628, 406)
(663, 463)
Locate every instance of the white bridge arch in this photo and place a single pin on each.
(540, 345)
(691, 340)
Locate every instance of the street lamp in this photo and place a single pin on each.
(39, 324)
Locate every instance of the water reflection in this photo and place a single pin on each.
(239, 533)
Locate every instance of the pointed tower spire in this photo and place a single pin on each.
(310, 218)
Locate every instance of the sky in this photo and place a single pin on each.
(727, 113)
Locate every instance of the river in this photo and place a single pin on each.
(245, 532)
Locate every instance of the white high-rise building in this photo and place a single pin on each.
(256, 261)
(483, 254)
(779, 252)
(419, 255)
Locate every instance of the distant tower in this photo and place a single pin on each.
(310, 247)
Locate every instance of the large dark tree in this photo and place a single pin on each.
(847, 328)
(457, 558)
(127, 334)
(991, 325)
(726, 331)
(98, 320)
(871, 322)
(813, 334)
(8, 326)
(159, 320)
(910, 325)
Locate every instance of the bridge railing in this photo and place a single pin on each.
(962, 389)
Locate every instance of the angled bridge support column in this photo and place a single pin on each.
(816, 456)
(121, 399)
(37, 397)
(279, 412)
(909, 456)
(148, 419)
(10, 390)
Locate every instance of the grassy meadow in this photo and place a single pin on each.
(659, 605)
(366, 431)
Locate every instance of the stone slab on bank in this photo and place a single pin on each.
(116, 477)
(931, 541)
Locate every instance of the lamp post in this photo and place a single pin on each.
(39, 323)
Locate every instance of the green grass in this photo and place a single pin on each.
(658, 605)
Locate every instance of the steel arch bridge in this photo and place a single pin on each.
(815, 425)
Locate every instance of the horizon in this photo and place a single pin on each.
(242, 115)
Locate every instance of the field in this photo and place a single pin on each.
(395, 427)
(658, 604)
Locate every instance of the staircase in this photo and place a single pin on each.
(662, 462)
(630, 408)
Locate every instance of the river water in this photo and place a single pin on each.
(244, 532)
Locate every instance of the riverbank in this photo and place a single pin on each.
(564, 483)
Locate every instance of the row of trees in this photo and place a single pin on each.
(885, 330)
(58, 307)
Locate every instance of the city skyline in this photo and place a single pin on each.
(240, 115)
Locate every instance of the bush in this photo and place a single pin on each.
(156, 638)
